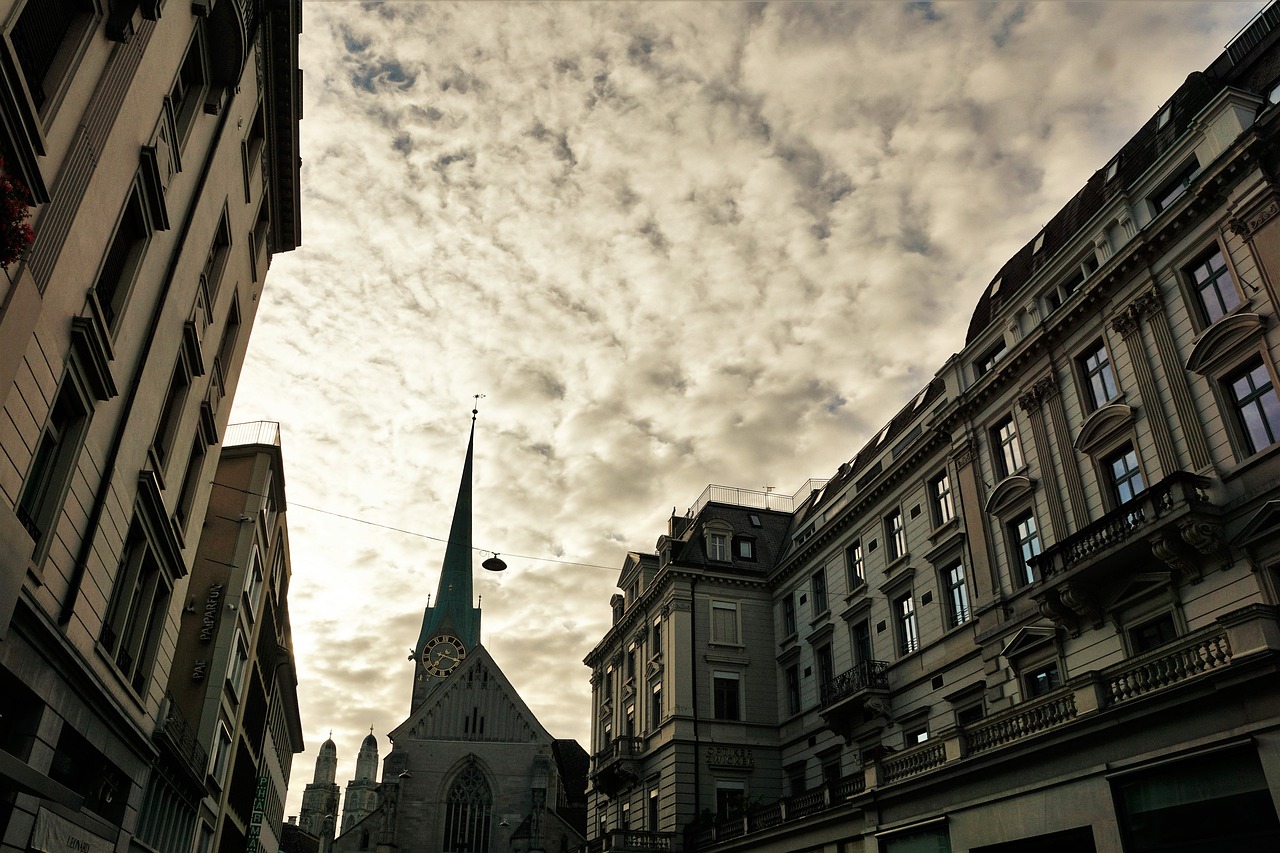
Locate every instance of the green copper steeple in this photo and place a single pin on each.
(451, 625)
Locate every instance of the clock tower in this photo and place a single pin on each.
(451, 624)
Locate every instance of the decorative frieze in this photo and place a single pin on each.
(1247, 226)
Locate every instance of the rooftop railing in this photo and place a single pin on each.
(252, 432)
(753, 499)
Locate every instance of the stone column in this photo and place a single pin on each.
(1128, 322)
(1043, 389)
(964, 459)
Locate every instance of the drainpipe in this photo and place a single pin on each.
(104, 488)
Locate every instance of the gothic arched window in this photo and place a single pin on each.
(466, 815)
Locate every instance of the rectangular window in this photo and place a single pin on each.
(855, 565)
(793, 689)
(1153, 634)
(655, 708)
(135, 616)
(1026, 544)
(917, 736)
(944, 508)
(171, 413)
(957, 596)
(895, 535)
(1095, 367)
(795, 780)
(819, 586)
(236, 667)
(789, 614)
(1008, 456)
(53, 463)
(227, 346)
(190, 483)
(1126, 476)
(904, 609)
(718, 547)
(655, 642)
(187, 93)
(831, 769)
(860, 639)
(746, 548)
(120, 266)
(724, 622)
(221, 757)
(990, 358)
(653, 810)
(826, 669)
(1174, 189)
(44, 36)
(1042, 680)
(726, 693)
(1257, 407)
(731, 798)
(1215, 289)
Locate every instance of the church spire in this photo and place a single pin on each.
(450, 626)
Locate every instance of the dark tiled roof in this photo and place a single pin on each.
(770, 537)
(1137, 155)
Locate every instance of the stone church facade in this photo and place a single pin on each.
(471, 770)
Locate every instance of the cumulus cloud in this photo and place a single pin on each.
(675, 244)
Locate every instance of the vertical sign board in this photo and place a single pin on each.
(54, 834)
(255, 823)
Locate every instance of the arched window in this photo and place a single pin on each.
(466, 816)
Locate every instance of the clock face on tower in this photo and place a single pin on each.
(442, 654)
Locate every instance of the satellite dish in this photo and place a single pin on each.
(494, 564)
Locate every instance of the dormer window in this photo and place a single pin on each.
(1038, 244)
(718, 546)
(1175, 187)
(745, 548)
(1113, 168)
(989, 359)
(1165, 115)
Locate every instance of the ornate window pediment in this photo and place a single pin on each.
(1102, 427)
(1223, 344)
(1027, 639)
(1010, 493)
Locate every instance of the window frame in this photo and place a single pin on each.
(724, 607)
(1117, 486)
(745, 548)
(1196, 288)
(895, 535)
(942, 503)
(906, 623)
(1092, 370)
(137, 608)
(1018, 540)
(818, 590)
(855, 562)
(956, 602)
(1243, 433)
(1007, 453)
(43, 493)
(790, 625)
(721, 696)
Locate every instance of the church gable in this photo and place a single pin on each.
(476, 702)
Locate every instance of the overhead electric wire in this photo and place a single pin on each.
(419, 535)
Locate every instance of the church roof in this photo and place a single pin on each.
(369, 742)
(329, 747)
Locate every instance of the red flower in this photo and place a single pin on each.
(15, 230)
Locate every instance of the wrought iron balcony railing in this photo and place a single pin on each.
(868, 675)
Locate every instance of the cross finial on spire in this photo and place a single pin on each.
(370, 729)
(475, 409)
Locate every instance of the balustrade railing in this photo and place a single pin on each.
(916, 760)
(623, 747)
(868, 675)
(1021, 721)
(1122, 524)
(1198, 655)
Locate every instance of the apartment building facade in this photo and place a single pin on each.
(1038, 611)
(157, 142)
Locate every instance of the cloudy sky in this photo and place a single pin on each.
(673, 244)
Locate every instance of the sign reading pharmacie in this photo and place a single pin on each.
(54, 834)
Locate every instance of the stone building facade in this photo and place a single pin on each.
(1038, 611)
(158, 144)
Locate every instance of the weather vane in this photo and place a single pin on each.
(475, 409)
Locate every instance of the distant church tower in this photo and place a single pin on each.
(362, 791)
(319, 815)
(451, 626)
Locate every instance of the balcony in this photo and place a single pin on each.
(1171, 525)
(176, 732)
(616, 766)
(630, 841)
(1250, 633)
(846, 699)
